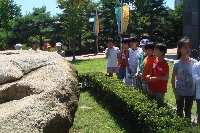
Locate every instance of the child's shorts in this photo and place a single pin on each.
(198, 106)
(112, 69)
(122, 73)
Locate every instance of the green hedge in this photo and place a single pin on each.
(135, 107)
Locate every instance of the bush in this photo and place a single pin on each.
(171, 45)
(135, 108)
(80, 52)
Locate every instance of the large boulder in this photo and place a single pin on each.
(38, 92)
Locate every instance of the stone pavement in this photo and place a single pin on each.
(86, 56)
(102, 55)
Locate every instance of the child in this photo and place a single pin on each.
(182, 70)
(140, 62)
(196, 80)
(147, 65)
(159, 76)
(113, 55)
(122, 65)
(59, 49)
(47, 47)
(132, 57)
(35, 45)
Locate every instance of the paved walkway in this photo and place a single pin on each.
(102, 55)
(86, 57)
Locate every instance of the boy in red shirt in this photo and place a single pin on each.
(122, 65)
(159, 75)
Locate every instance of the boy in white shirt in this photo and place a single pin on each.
(113, 55)
(132, 56)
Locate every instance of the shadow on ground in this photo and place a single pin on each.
(120, 118)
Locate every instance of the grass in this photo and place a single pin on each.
(91, 65)
(93, 115)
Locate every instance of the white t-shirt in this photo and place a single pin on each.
(31, 49)
(112, 58)
(133, 58)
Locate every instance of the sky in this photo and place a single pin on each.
(28, 5)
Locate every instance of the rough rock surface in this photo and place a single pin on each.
(38, 92)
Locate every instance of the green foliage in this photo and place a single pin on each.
(2, 41)
(135, 107)
(36, 25)
(172, 25)
(75, 19)
(150, 13)
(74, 30)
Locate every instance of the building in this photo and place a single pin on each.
(177, 2)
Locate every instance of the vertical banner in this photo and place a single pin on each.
(125, 18)
(96, 25)
(118, 17)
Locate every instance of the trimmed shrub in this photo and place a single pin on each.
(134, 106)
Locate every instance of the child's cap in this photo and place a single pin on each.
(58, 44)
(144, 41)
(18, 46)
(125, 40)
(47, 45)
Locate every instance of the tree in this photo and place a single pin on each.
(151, 13)
(175, 20)
(39, 25)
(75, 18)
(8, 11)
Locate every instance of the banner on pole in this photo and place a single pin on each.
(96, 25)
(125, 18)
(118, 17)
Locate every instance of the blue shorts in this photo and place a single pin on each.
(122, 73)
(198, 106)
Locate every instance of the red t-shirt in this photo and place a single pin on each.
(123, 59)
(159, 69)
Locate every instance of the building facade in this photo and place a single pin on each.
(177, 2)
(191, 23)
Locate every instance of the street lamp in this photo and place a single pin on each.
(97, 26)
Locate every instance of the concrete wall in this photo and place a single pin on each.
(177, 2)
(191, 25)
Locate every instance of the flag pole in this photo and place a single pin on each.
(96, 31)
(121, 25)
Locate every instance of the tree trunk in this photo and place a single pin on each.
(6, 39)
(79, 41)
(73, 50)
(40, 41)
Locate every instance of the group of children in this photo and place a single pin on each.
(46, 47)
(145, 66)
